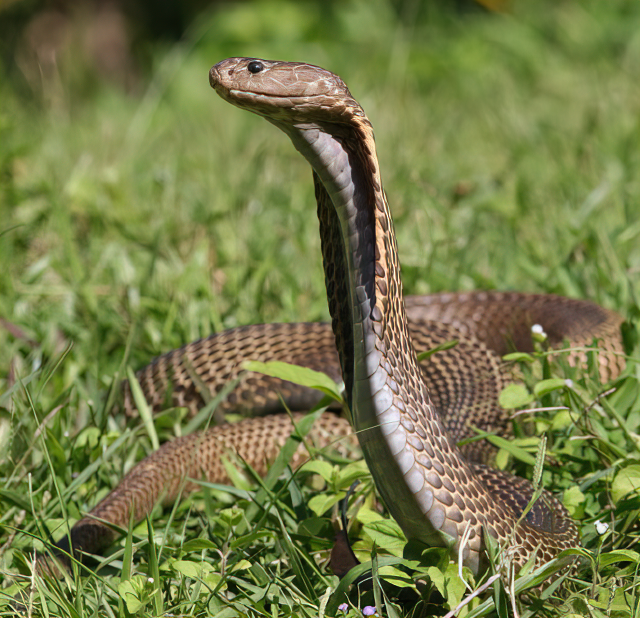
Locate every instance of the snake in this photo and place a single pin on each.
(413, 420)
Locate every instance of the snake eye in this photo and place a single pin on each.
(255, 67)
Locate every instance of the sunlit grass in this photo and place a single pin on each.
(131, 224)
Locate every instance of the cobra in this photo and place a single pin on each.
(408, 417)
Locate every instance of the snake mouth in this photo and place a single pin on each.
(267, 105)
(279, 109)
(238, 96)
(266, 97)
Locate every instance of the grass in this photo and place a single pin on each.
(131, 224)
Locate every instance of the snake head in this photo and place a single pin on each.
(284, 92)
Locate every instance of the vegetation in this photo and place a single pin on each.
(131, 223)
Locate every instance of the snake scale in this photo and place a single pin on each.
(408, 417)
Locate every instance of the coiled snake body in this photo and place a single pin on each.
(408, 418)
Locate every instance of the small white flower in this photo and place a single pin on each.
(568, 383)
(150, 580)
(537, 332)
(601, 527)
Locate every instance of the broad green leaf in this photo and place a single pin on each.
(619, 555)
(198, 545)
(515, 396)
(212, 580)
(547, 386)
(187, 568)
(312, 526)
(90, 436)
(232, 515)
(518, 357)
(321, 503)
(574, 500)
(616, 604)
(356, 470)
(241, 565)
(387, 535)
(130, 596)
(627, 480)
(437, 579)
(456, 587)
(323, 468)
(366, 515)
(296, 374)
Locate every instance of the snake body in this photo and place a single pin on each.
(407, 417)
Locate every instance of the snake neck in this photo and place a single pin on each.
(362, 271)
(406, 447)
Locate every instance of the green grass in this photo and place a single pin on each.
(131, 224)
